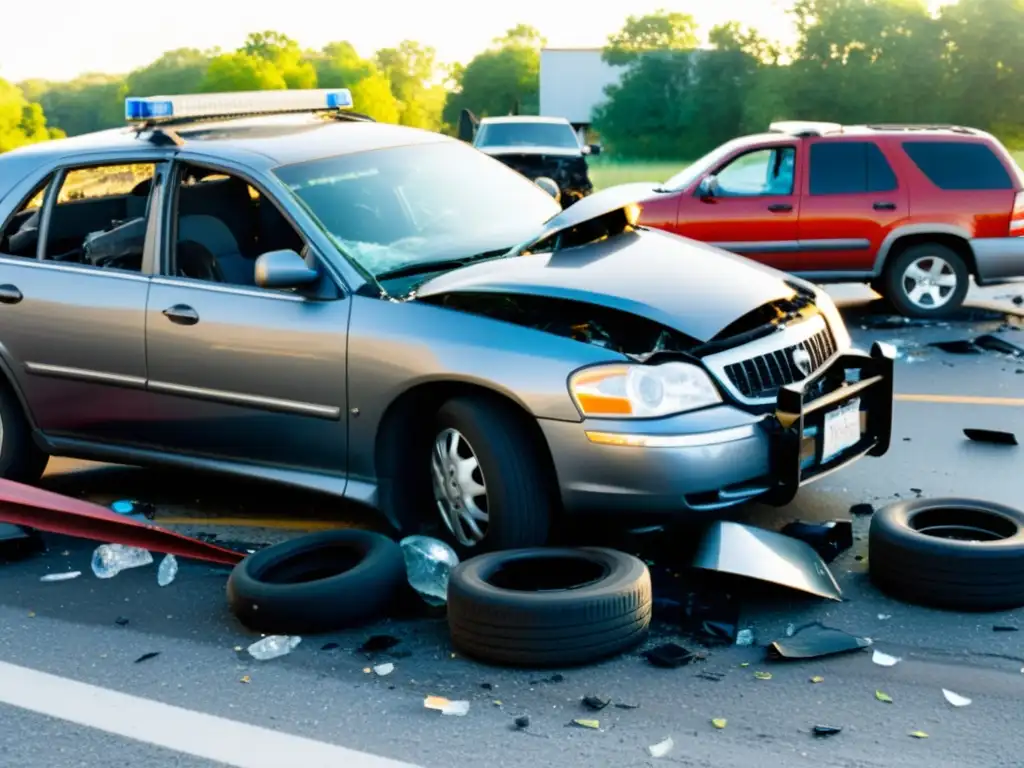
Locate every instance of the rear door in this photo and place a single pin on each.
(851, 198)
(73, 298)
(753, 209)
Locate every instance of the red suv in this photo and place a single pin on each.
(911, 210)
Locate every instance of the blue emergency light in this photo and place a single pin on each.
(195, 105)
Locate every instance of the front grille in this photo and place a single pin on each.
(762, 376)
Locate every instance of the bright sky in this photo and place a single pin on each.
(63, 38)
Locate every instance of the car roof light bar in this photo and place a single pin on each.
(159, 109)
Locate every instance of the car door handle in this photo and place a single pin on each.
(9, 294)
(182, 314)
(780, 207)
(885, 206)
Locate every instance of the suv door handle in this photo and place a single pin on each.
(780, 207)
(182, 314)
(9, 294)
(885, 206)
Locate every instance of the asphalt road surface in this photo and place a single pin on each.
(72, 693)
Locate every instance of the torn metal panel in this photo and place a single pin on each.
(755, 553)
(55, 513)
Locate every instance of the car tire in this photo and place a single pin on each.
(913, 553)
(899, 283)
(21, 459)
(525, 607)
(518, 494)
(317, 583)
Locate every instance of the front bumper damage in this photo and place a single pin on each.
(799, 432)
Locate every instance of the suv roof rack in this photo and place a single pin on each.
(804, 127)
(921, 127)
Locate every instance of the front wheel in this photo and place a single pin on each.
(489, 483)
(926, 280)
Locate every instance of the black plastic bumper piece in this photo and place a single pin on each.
(798, 426)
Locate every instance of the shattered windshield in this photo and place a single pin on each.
(527, 135)
(402, 206)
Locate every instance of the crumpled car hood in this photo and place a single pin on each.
(691, 287)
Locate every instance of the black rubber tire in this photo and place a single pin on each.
(307, 593)
(21, 459)
(945, 573)
(520, 503)
(892, 287)
(557, 628)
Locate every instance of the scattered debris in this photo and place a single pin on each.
(763, 675)
(756, 553)
(245, 679)
(428, 564)
(669, 656)
(446, 707)
(555, 678)
(918, 735)
(383, 670)
(592, 724)
(487, 686)
(957, 347)
(274, 646)
(522, 722)
(817, 679)
(826, 730)
(138, 510)
(991, 436)
(862, 510)
(68, 576)
(884, 659)
(828, 539)
(662, 748)
(883, 697)
(816, 641)
(329, 646)
(147, 656)
(596, 703)
(1001, 343)
(110, 559)
(745, 637)
(719, 722)
(167, 571)
(624, 705)
(1004, 628)
(790, 630)
(884, 616)
(955, 698)
(121, 621)
(373, 644)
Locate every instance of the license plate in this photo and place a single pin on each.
(841, 430)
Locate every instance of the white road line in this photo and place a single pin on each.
(182, 730)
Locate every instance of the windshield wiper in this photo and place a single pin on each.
(438, 265)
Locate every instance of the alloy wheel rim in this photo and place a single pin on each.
(460, 490)
(929, 282)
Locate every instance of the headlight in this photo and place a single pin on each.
(834, 319)
(641, 391)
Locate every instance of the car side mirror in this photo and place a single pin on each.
(284, 269)
(593, 150)
(550, 186)
(708, 187)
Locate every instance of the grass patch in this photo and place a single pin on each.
(609, 173)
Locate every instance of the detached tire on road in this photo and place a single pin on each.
(549, 607)
(960, 554)
(317, 583)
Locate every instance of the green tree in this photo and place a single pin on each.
(179, 71)
(284, 55)
(241, 72)
(658, 31)
(500, 78)
(21, 121)
(338, 65)
(411, 68)
(749, 63)
(91, 102)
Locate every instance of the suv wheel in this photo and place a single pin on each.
(489, 484)
(926, 280)
(20, 458)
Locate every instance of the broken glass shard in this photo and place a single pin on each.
(428, 563)
(110, 559)
(815, 641)
(273, 646)
(168, 570)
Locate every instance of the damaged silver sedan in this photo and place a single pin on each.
(393, 317)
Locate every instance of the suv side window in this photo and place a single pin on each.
(959, 165)
(100, 216)
(758, 173)
(20, 235)
(850, 168)
(222, 224)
